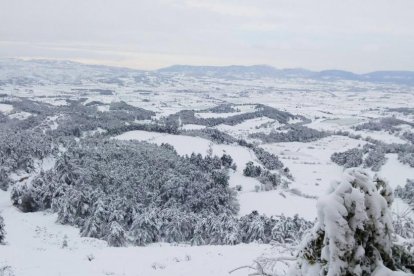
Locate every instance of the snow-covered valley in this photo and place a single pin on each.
(301, 123)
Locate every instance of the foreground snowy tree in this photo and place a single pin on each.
(353, 235)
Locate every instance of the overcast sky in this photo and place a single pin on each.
(356, 35)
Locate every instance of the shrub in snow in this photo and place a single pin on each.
(2, 230)
(268, 179)
(407, 192)
(406, 158)
(145, 228)
(403, 226)
(116, 235)
(409, 136)
(253, 227)
(226, 160)
(348, 159)
(290, 230)
(4, 180)
(251, 170)
(353, 234)
(375, 159)
(269, 160)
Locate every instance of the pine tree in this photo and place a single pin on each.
(145, 228)
(116, 236)
(353, 234)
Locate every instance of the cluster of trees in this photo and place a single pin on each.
(409, 136)
(353, 234)
(77, 118)
(22, 142)
(268, 160)
(139, 193)
(405, 152)
(189, 117)
(403, 110)
(370, 156)
(387, 124)
(222, 108)
(407, 192)
(375, 157)
(269, 180)
(212, 134)
(294, 133)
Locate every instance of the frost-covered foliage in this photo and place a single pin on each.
(269, 160)
(255, 227)
(2, 230)
(251, 170)
(378, 149)
(77, 118)
(353, 233)
(99, 181)
(268, 179)
(222, 108)
(407, 192)
(348, 159)
(294, 133)
(403, 225)
(375, 157)
(290, 230)
(403, 110)
(406, 158)
(22, 142)
(139, 193)
(212, 134)
(189, 117)
(388, 124)
(409, 136)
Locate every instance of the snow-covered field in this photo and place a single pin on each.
(35, 247)
(34, 242)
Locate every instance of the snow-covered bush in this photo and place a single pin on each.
(403, 226)
(269, 160)
(407, 192)
(268, 179)
(375, 157)
(409, 136)
(353, 233)
(406, 158)
(348, 159)
(290, 230)
(212, 134)
(251, 170)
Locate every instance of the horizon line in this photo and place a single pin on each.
(192, 65)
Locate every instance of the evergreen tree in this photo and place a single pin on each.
(116, 236)
(353, 234)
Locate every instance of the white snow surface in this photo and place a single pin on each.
(34, 247)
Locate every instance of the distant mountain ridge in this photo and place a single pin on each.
(57, 71)
(401, 77)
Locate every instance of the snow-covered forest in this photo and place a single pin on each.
(180, 174)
